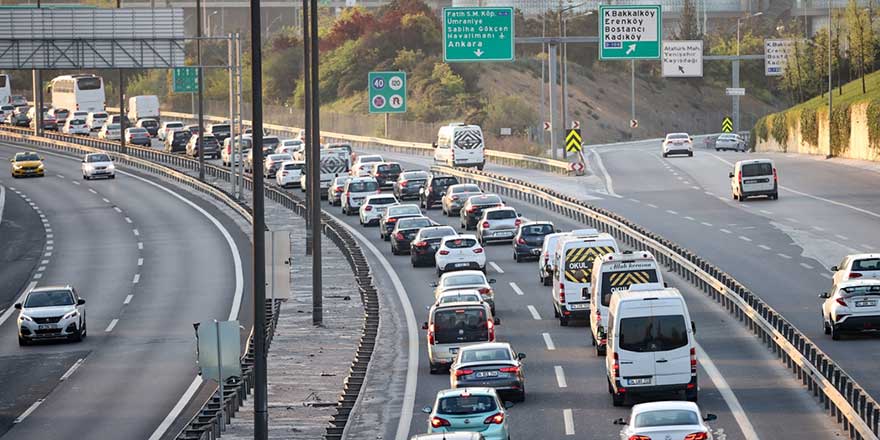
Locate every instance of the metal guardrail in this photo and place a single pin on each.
(208, 423)
(841, 396)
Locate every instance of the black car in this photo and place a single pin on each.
(176, 142)
(18, 118)
(150, 125)
(220, 131)
(434, 190)
(424, 245)
(529, 240)
(212, 147)
(386, 173)
(409, 184)
(138, 136)
(405, 230)
(394, 213)
(472, 210)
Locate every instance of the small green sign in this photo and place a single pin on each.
(186, 79)
(387, 92)
(477, 34)
(630, 32)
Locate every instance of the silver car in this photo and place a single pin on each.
(455, 197)
(98, 165)
(498, 224)
(466, 280)
(730, 141)
(52, 312)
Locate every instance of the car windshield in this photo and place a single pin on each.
(113, 127)
(49, 298)
(757, 169)
(415, 175)
(460, 325)
(459, 405)
(727, 137)
(466, 188)
(444, 181)
(102, 116)
(389, 168)
(368, 159)
(485, 200)
(666, 417)
(220, 128)
(460, 297)
(404, 210)
(485, 354)
(363, 186)
(97, 158)
(537, 230)
(618, 281)
(646, 334)
(872, 290)
(414, 223)
(26, 157)
(678, 136)
(383, 201)
(866, 264)
(279, 157)
(149, 123)
(461, 243)
(501, 215)
(438, 232)
(270, 141)
(463, 280)
(181, 134)
(174, 125)
(341, 180)
(77, 122)
(137, 130)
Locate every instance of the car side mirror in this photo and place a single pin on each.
(497, 321)
(665, 284)
(710, 417)
(433, 145)
(80, 301)
(508, 405)
(519, 214)
(730, 175)
(834, 268)
(425, 325)
(433, 284)
(520, 356)
(824, 295)
(427, 410)
(693, 327)
(83, 161)
(492, 281)
(17, 306)
(442, 193)
(619, 421)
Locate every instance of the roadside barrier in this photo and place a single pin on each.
(213, 416)
(842, 397)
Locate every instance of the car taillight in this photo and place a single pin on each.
(693, 360)
(697, 436)
(616, 367)
(459, 373)
(368, 208)
(775, 177)
(420, 244)
(443, 252)
(339, 190)
(485, 225)
(497, 419)
(437, 422)
(562, 293)
(598, 316)
(739, 177)
(472, 209)
(431, 335)
(347, 196)
(399, 236)
(454, 197)
(485, 290)
(490, 325)
(639, 437)
(509, 370)
(517, 222)
(478, 250)
(520, 241)
(284, 173)
(855, 275)
(842, 302)
(403, 183)
(391, 220)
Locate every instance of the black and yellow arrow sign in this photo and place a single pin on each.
(727, 124)
(573, 141)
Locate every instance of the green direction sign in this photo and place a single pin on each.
(387, 92)
(186, 80)
(630, 32)
(477, 34)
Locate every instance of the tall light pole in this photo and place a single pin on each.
(830, 88)
(735, 68)
(739, 22)
(209, 26)
(565, 68)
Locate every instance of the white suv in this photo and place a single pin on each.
(53, 312)
(678, 143)
(852, 306)
(460, 252)
(373, 207)
(356, 191)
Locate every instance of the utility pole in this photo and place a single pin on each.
(307, 122)
(553, 127)
(201, 77)
(543, 68)
(830, 86)
(632, 90)
(261, 404)
(230, 57)
(122, 116)
(239, 71)
(315, 175)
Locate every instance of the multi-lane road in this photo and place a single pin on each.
(150, 260)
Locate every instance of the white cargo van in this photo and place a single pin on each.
(615, 273)
(756, 177)
(651, 345)
(573, 265)
(460, 145)
(334, 163)
(144, 106)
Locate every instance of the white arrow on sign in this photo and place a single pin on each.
(630, 49)
(479, 52)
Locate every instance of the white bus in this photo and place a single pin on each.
(78, 93)
(5, 88)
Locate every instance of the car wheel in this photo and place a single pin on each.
(617, 399)
(516, 257)
(480, 167)
(742, 197)
(85, 177)
(555, 311)
(432, 369)
(717, 149)
(439, 272)
(600, 350)
(691, 154)
(563, 321)
(835, 334)
(665, 155)
(23, 342)
(78, 336)
(776, 196)
(113, 176)
(521, 398)
(825, 327)
(735, 197)
(394, 250)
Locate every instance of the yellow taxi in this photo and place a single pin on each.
(26, 164)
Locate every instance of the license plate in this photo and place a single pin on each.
(640, 381)
(866, 303)
(453, 350)
(504, 234)
(46, 326)
(579, 306)
(462, 264)
(481, 374)
(536, 251)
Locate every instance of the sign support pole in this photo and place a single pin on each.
(387, 115)
(230, 58)
(632, 89)
(220, 375)
(315, 175)
(735, 81)
(201, 72)
(307, 122)
(551, 62)
(238, 56)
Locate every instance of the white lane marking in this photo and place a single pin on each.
(136, 279)
(793, 220)
(128, 220)
(50, 235)
(28, 411)
(92, 191)
(764, 211)
(74, 182)
(687, 217)
(709, 193)
(784, 256)
(764, 246)
(727, 394)
(819, 228)
(495, 267)
(569, 421)
(695, 187)
(72, 369)
(635, 201)
(706, 224)
(48, 229)
(116, 208)
(111, 326)
(806, 266)
(842, 237)
(128, 299)
(534, 312)
(136, 232)
(60, 176)
(44, 262)
(50, 248)
(560, 377)
(106, 200)
(725, 231)
(651, 205)
(609, 184)
(548, 341)
(47, 254)
(825, 275)
(686, 182)
(2, 201)
(671, 212)
(37, 276)
(11, 308)
(42, 216)
(178, 408)
(140, 261)
(140, 245)
(516, 289)
(744, 238)
(50, 241)
(866, 247)
(41, 268)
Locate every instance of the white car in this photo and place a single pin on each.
(852, 306)
(856, 266)
(546, 260)
(290, 146)
(373, 207)
(75, 126)
(80, 114)
(334, 193)
(364, 164)
(109, 132)
(167, 127)
(5, 111)
(730, 141)
(666, 420)
(356, 191)
(289, 172)
(678, 143)
(98, 165)
(51, 312)
(96, 120)
(460, 252)
(463, 295)
(466, 280)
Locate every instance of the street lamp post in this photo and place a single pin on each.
(830, 90)
(735, 69)
(210, 23)
(564, 100)
(739, 22)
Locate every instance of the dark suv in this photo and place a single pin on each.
(434, 189)
(386, 173)
(176, 141)
(409, 184)
(472, 210)
(529, 240)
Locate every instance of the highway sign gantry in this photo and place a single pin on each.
(573, 141)
(727, 124)
(387, 92)
(682, 59)
(186, 79)
(478, 34)
(630, 32)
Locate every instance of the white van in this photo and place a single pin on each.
(460, 145)
(144, 106)
(355, 192)
(572, 271)
(545, 261)
(755, 177)
(334, 163)
(651, 345)
(615, 273)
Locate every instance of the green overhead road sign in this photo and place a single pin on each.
(387, 92)
(186, 79)
(477, 34)
(727, 124)
(630, 32)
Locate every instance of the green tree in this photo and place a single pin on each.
(509, 112)
(689, 24)
(861, 39)
(820, 57)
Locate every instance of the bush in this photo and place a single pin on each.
(761, 129)
(874, 123)
(840, 129)
(779, 130)
(510, 112)
(809, 127)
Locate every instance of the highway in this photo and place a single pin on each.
(149, 261)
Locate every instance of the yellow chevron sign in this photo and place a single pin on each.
(573, 141)
(626, 279)
(727, 124)
(579, 262)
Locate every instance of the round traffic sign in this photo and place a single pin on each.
(378, 83)
(395, 82)
(378, 101)
(396, 101)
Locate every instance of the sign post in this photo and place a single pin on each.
(683, 59)
(478, 34)
(186, 79)
(630, 32)
(387, 92)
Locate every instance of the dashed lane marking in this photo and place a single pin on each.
(784, 256)
(11, 308)
(706, 224)
(140, 261)
(669, 211)
(128, 220)
(116, 208)
(687, 217)
(651, 205)
(111, 326)
(725, 231)
(765, 247)
(549, 342)
(140, 245)
(807, 266)
(495, 267)
(569, 421)
(534, 312)
(744, 238)
(136, 232)
(92, 191)
(842, 237)
(560, 377)
(106, 200)
(71, 369)
(28, 411)
(128, 299)
(136, 279)
(516, 289)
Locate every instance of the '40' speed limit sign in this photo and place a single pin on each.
(387, 92)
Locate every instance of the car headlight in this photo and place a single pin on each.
(16, 166)
(25, 318)
(111, 167)
(72, 314)
(40, 167)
